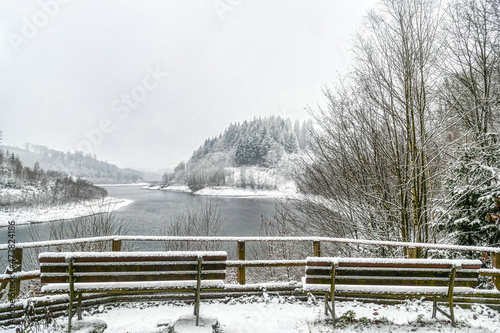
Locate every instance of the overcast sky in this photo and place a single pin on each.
(143, 83)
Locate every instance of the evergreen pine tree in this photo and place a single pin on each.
(472, 206)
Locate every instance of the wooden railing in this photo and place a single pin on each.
(15, 276)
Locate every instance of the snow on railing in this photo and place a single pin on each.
(241, 263)
(485, 249)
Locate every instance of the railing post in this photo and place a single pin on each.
(116, 246)
(317, 248)
(412, 252)
(495, 261)
(17, 265)
(241, 256)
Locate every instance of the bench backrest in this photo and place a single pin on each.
(402, 272)
(132, 266)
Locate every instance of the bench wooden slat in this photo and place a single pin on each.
(42, 259)
(326, 281)
(134, 287)
(136, 278)
(375, 264)
(83, 259)
(393, 265)
(132, 267)
(369, 272)
(392, 282)
(381, 290)
(154, 258)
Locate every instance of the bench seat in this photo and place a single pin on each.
(148, 286)
(76, 273)
(390, 277)
(388, 290)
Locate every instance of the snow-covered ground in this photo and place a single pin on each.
(62, 212)
(277, 314)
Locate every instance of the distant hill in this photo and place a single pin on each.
(74, 164)
(250, 154)
(23, 186)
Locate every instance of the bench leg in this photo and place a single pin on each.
(450, 315)
(198, 291)
(328, 309)
(71, 281)
(79, 306)
(452, 312)
(434, 306)
(332, 297)
(70, 311)
(197, 309)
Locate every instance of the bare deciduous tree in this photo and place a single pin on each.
(206, 221)
(472, 70)
(92, 225)
(371, 169)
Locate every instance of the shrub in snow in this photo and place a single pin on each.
(470, 212)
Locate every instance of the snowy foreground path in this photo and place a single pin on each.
(285, 314)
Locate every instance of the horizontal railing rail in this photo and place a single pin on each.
(452, 247)
(14, 278)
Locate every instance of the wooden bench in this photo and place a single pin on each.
(394, 278)
(130, 272)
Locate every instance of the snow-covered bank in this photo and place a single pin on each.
(248, 181)
(172, 188)
(227, 191)
(62, 212)
(278, 314)
(224, 191)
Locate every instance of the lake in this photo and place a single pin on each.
(152, 210)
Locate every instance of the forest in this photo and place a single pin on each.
(77, 163)
(24, 186)
(407, 147)
(242, 153)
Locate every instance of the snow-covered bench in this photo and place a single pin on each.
(130, 272)
(395, 278)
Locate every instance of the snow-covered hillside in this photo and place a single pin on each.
(75, 164)
(244, 182)
(255, 155)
